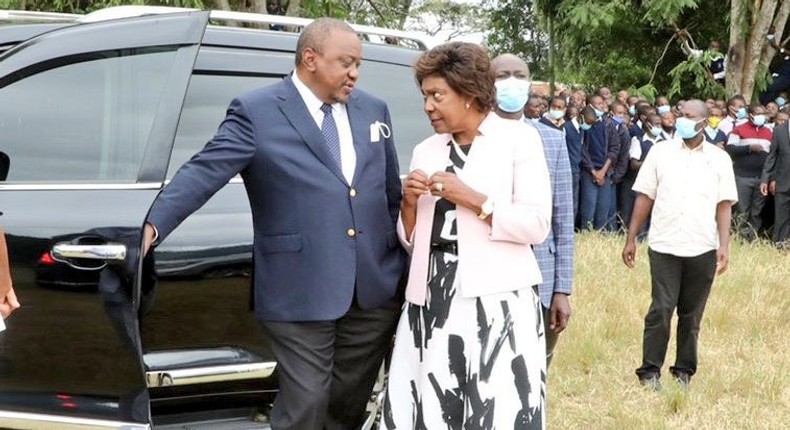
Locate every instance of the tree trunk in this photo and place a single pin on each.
(735, 55)
(294, 8)
(222, 4)
(756, 41)
(552, 55)
(780, 21)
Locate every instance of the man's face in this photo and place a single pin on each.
(771, 110)
(558, 104)
(509, 67)
(714, 46)
(335, 70)
(606, 93)
(622, 97)
(662, 101)
(757, 110)
(598, 103)
(619, 110)
(782, 118)
(668, 121)
(710, 103)
(533, 109)
(578, 98)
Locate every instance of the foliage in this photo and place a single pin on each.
(514, 29)
(692, 74)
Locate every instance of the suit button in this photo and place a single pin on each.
(351, 232)
(352, 193)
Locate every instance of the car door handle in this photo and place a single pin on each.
(209, 374)
(106, 252)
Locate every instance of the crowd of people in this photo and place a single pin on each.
(609, 135)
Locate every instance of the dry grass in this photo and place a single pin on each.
(743, 379)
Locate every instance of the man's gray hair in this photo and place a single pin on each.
(316, 34)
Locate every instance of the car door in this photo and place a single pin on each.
(88, 114)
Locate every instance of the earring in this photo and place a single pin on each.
(467, 106)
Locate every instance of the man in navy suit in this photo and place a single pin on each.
(319, 164)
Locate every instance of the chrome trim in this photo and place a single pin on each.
(31, 421)
(107, 251)
(81, 187)
(28, 15)
(208, 375)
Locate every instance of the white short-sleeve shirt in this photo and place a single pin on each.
(686, 185)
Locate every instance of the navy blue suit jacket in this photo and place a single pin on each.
(318, 239)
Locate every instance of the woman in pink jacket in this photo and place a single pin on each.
(470, 349)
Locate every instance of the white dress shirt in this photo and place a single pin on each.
(686, 185)
(348, 155)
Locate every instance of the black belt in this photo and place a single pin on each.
(451, 248)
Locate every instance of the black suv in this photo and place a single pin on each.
(94, 119)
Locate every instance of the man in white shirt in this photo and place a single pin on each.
(689, 189)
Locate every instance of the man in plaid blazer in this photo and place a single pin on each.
(555, 255)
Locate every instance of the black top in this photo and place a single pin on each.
(445, 227)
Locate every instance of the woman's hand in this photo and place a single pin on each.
(415, 185)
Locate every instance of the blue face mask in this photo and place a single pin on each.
(632, 110)
(686, 128)
(741, 113)
(618, 119)
(758, 120)
(663, 109)
(656, 131)
(780, 101)
(556, 114)
(512, 94)
(598, 113)
(584, 126)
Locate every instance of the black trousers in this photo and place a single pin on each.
(782, 218)
(327, 369)
(677, 282)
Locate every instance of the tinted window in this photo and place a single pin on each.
(207, 100)
(395, 84)
(87, 121)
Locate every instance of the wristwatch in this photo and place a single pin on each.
(486, 209)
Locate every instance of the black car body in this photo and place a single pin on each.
(95, 117)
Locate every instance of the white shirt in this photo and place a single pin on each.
(348, 155)
(635, 150)
(686, 185)
(728, 123)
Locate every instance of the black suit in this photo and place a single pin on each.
(777, 168)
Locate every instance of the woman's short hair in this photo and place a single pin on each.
(465, 67)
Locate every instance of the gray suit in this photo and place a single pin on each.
(777, 168)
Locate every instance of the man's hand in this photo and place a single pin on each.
(763, 189)
(722, 259)
(629, 253)
(8, 303)
(149, 234)
(772, 187)
(756, 147)
(559, 312)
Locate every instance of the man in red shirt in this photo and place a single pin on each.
(748, 146)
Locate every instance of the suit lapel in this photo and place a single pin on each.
(294, 109)
(359, 128)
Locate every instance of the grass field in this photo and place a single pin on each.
(743, 379)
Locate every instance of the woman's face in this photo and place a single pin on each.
(446, 109)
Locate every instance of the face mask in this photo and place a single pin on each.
(663, 109)
(780, 101)
(714, 121)
(512, 94)
(618, 119)
(556, 114)
(758, 120)
(741, 113)
(584, 126)
(598, 113)
(686, 128)
(632, 110)
(656, 131)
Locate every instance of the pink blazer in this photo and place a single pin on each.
(505, 163)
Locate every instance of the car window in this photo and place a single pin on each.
(87, 120)
(395, 84)
(206, 101)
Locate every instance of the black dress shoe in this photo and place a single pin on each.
(682, 378)
(651, 381)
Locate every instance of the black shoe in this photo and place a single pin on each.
(683, 379)
(651, 381)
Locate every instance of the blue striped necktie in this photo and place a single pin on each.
(329, 130)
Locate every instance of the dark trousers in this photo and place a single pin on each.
(595, 202)
(749, 207)
(782, 217)
(575, 179)
(327, 369)
(551, 337)
(682, 283)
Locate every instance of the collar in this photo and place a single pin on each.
(312, 102)
(699, 148)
